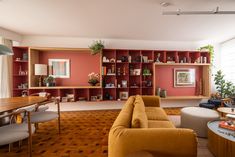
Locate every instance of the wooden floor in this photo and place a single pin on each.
(83, 134)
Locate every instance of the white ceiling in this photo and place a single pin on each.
(118, 19)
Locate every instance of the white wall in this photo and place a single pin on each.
(10, 35)
(49, 41)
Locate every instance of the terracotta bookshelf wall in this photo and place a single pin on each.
(161, 72)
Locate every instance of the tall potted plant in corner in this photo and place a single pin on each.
(96, 47)
(225, 88)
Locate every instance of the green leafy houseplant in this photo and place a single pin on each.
(49, 80)
(225, 88)
(96, 47)
(210, 49)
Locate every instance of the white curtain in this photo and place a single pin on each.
(227, 60)
(6, 71)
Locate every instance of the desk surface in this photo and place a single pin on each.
(13, 103)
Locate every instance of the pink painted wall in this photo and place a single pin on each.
(81, 64)
(164, 78)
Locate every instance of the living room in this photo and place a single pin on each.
(117, 78)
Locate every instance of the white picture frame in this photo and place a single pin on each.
(184, 77)
(60, 68)
(123, 95)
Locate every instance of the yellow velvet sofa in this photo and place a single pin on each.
(142, 129)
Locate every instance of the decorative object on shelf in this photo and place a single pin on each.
(25, 56)
(49, 81)
(113, 69)
(145, 59)
(146, 72)
(109, 85)
(170, 59)
(119, 61)
(18, 59)
(60, 68)
(124, 71)
(4, 50)
(93, 98)
(163, 93)
(105, 59)
(70, 97)
(210, 49)
(158, 92)
(129, 59)
(123, 95)
(148, 83)
(119, 85)
(225, 88)
(23, 86)
(118, 71)
(112, 60)
(184, 77)
(107, 96)
(124, 59)
(158, 58)
(94, 79)
(40, 70)
(24, 93)
(137, 71)
(124, 83)
(96, 47)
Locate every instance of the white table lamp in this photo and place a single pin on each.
(40, 70)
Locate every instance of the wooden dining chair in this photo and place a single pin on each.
(44, 116)
(14, 132)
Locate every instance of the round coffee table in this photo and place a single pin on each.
(221, 142)
(226, 110)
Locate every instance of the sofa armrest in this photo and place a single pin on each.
(151, 101)
(157, 141)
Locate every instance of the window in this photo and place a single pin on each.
(228, 60)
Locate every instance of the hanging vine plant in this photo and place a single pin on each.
(96, 47)
(210, 49)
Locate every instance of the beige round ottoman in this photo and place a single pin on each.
(196, 118)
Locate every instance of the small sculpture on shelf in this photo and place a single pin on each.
(94, 79)
(158, 58)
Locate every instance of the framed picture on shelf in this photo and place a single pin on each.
(184, 77)
(93, 98)
(123, 95)
(60, 68)
(137, 71)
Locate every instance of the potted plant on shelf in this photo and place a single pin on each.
(96, 47)
(210, 49)
(94, 79)
(49, 81)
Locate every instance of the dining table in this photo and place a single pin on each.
(13, 103)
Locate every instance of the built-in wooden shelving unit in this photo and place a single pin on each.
(122, 72)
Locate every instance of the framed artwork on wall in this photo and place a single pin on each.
(184, 77)
(60, 68)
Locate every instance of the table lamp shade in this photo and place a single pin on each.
(40, 69)
(4, 50)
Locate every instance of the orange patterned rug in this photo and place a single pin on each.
(83, 134)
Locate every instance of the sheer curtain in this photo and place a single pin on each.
(228, 60)
(6, 72)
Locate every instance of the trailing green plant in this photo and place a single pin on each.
(96, 47)
(210, 49)
(225, 88)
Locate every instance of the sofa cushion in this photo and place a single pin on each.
(139, 118)
(156, 113)
(160, 124)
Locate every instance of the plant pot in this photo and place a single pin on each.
(93, 83)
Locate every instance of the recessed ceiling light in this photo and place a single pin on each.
(164, 4)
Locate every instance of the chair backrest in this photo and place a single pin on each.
(42, 94)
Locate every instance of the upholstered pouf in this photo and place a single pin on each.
(196, 118)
